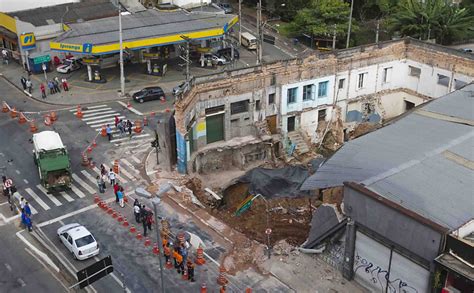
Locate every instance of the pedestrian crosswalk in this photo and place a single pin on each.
(84, 185)
(99, 115)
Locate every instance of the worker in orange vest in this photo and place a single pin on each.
(175, 256)
(190, 267)
(179, 262)
(167, 252)
(165, 242)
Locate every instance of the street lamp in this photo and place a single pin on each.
(156, 201)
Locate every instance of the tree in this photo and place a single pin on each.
(429, 19)
(321, 18)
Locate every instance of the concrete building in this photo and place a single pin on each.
(236, 117)
(408, 197)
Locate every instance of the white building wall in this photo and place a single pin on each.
(189, 3)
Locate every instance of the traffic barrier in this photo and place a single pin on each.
(129, 105)
(110, 210)
(103, 131)
(139, 236)
(116, 167)
(33, 127)
(89, 149)
(138, 126)
(168, 264)
(156, 250)
(221, 279)
(53, 115)
(22, 118)
(125, 222)
(85, 160)
(203, 288)
(96, 198)
(145, 121)
(200, 256)
(114, 214)
(133, 229)
(125, 199)
(104, 206)
(79, 113)
(47, 120)
(94, 143)
(13, 113)
(248, 290)
(147, 242)
(5, 108)
(120, 218)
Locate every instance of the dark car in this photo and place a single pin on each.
(227, 53)
(148, 94)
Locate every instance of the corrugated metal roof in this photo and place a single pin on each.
(85, 10)
(422, 163)
(146, 24)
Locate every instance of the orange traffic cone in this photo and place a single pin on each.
(94, 143)
(116, 167)
(203, 288)
(33, 127)
(138, 126)
(139, 236)
(167, 110)
(129, 105)
(89, 149)
(133, 229)
(53, 116)
(221, 279)
(79, 113)
(85, 160)
(47, 120)
(125, 222)
(22, 118)
(200, 256)
(147, 242)
(248, 290)
(156, 250)
(103, 131)
(5, 108)
(14, 113)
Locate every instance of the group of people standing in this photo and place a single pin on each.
(26, 84)
(112, 177)
(8, 190)
(53, 85)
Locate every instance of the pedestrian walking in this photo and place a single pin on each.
(120, 196)
(65, 85)
(5, 56)
(26, 221)
(103, 171)
(116, 190)
(121, 127)
(108, 130)
(23, 82)
(112, 176)
(143, 214)
(116, 120)
(43, 90)
(129, 127)
(51, 88)
(100, 184)
(29, 85)
(175, 258)
(22, 203)
(149, 220)
(56, 85)
(27, 209)
(136, 212)
(190, 266)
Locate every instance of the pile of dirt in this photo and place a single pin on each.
(363, 128)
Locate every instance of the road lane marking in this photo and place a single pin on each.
(50, 196)
(89, 176)
(96, 110)
(136, 159)
(82, 183)
(37, 251)
(9, 268)
(103, 116)
(130, 166)
(77, 191)
(126, 173)
(66, 196)
(100, 113)
(17, 172)
(130, 108)
(88, 107)
(37, 198)
(18, 197)
(133, 136)
(132, 144)
(26, 181)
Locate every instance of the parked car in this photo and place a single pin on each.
(227, 53)
(215, 59)
(149, 94)
(79, 241)
(466, 50)
(226, 7)
(69, 65)
(181, 88)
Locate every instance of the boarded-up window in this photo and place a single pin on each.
(443, 80)
(239, 107)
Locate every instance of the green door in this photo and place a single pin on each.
(215, 128)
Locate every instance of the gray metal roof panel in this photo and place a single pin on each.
(456, 104)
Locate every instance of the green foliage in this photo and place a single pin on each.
(432, 19)
(321, 18)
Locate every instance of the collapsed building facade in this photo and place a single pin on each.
(237, 117)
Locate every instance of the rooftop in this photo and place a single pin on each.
(423, 161)
(84, 10)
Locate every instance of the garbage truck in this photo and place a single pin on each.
(52, 159)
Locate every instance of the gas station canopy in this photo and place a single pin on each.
(149, 28)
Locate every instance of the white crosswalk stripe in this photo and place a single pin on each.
(130, 166)
(66, 196)
(82, 183)
(103, 116)
(77, 191)
(96, 110)
(126, 173)
(88, 107)
(37, 198)
(135, 159)
(18, 197)
(130, 138)
(98, 113)
(100, 122)
(50, 196)
(89, 176)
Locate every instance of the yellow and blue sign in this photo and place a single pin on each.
(27, 41)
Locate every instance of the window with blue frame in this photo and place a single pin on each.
(292, 95)
(308, 92)
(323, 89)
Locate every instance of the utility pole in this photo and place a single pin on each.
(259, 32)
(156, 201)
(122, 75)
(377, 31)
(334, 38)
(186, 59)
(350, 25)
(240, 22)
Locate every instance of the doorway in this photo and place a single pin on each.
(291, 124)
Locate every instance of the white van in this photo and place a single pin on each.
(249, 41)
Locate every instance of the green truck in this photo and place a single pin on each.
(52, 159)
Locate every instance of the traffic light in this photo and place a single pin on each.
(154, 143)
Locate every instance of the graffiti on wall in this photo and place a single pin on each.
(381, 277)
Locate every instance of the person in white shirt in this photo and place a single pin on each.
(112, 177)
